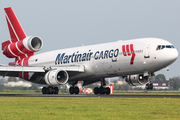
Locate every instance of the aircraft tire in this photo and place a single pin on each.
(76, 90)
(50, 90)
(102, 90)
(44, 90)
(71, 90)
(56, 90)
(96, 90)
(147, 86)
(108, 91)
(150, 86)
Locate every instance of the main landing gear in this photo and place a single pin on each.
(102, 90)
(50, 90)
(74, 90)
(149, 86)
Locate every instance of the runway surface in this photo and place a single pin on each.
(86, 95)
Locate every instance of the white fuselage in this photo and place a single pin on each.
(119, 58)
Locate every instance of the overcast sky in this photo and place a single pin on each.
(71, 23)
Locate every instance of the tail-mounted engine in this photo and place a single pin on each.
(56, 77)
(19, 46)
(25, 47)
(135, 80)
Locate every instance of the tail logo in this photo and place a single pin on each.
(128, 50)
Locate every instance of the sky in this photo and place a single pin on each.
(71, 23)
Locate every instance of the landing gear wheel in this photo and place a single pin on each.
(108, 91)
(76, 90)
(44, 90)
(102, 90)
(56, 90)
(71, 90)
(50, 90)
(96, 90)
(150, 86)
(147, 86)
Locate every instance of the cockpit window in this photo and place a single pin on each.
(160, 47)
(168, 46)
(163, 46)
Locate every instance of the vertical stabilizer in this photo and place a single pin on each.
(19, 46)
(15, 29)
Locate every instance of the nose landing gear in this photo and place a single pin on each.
(149, 86)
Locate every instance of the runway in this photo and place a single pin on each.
(87, 95)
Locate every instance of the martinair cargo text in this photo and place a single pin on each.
(134, 60)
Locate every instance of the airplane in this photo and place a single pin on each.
(135, 60)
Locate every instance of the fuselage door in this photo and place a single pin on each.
(146, 55)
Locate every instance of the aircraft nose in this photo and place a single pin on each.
(174, 55)
(168, 56)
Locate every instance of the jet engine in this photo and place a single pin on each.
(135, 80)
(56, 77)
(19, 48)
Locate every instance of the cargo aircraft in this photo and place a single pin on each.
(135, 60)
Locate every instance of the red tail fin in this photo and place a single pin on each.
(19, 47)
(15, 29)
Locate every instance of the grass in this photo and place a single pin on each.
(73, 108)
(148, 92)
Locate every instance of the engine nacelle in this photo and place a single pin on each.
(56, 77)
(135, 80)
(28, 45)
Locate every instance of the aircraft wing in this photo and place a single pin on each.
(21, 69)
(77, 68)
(14, 70)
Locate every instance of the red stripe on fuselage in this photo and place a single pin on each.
(127, 50)
(133, 54)
(124, 51)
